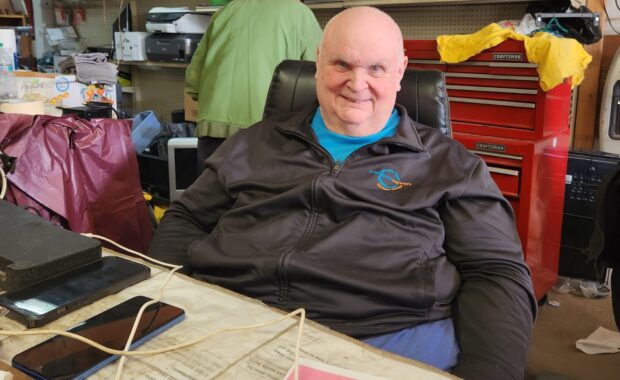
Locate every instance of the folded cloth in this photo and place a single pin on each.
(601, 341)
(90, 57)
(557, 58)
(96, 73)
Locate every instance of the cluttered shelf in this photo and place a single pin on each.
(178, 65)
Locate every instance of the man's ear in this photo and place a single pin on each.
(404, 66)
(401, 70)
(318, 57)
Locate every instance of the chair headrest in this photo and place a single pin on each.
(423, 93)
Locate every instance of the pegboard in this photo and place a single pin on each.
(159, 89)
(97, 30)
(430, 21)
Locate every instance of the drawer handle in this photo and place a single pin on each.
(491, 76)
(492, 102)
(427, 61)
(510, 172)
(492, 89)
(514, 65)
(494, 154)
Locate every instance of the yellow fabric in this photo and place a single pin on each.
(557, 58)
(158, 211)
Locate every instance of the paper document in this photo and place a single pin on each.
(311, 370)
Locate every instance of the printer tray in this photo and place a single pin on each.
(33, 249)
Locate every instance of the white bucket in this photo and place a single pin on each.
(609, 124)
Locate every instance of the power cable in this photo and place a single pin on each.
(127, 352)
(608, 18)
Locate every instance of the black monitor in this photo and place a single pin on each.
(122, 22)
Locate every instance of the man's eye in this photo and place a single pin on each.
(376, 68)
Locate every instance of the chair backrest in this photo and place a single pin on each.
(423, 93)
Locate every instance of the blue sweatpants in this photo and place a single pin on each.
(432, 343)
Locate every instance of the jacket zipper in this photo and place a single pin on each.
(286, 256)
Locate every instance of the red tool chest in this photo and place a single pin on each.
(499, 111)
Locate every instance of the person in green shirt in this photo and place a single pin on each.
(231, 70)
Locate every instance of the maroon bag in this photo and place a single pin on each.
(78, 173)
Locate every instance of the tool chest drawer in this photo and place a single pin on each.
(531, 176)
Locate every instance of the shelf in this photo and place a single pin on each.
(207, 9)
(128, 90)
(152, 64)
(13, 20)
(387, 3)
(325, 5)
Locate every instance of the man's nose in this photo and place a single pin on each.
(357, 80)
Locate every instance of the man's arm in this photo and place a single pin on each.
(190, 218)
(494, 310)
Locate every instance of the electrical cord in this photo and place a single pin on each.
(121, 34)
(126, 351)
(609, 18)
(134, 327)
(6, 163)
(3, 185)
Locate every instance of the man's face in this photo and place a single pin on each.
(358, 76)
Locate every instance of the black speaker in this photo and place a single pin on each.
(584, 174)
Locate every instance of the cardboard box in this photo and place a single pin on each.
(130, 46)
(191, 108)
(56, 90)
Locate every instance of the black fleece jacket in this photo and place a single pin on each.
(409, 229)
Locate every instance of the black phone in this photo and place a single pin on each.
(61, 357)
(45, 301)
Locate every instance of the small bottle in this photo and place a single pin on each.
(8, 83)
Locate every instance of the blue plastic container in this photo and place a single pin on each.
(144, 129)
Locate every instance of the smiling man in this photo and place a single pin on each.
(380, 227)
(358, 77)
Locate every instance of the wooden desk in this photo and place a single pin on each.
(263, 353)
(17, 375)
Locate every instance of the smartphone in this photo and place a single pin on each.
(61, 357)
(45, 301)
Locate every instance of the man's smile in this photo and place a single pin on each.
(353, 100)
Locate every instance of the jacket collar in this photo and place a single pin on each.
(406, 133)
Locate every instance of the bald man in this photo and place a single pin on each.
(380, 227)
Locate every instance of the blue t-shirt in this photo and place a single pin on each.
(341, 146)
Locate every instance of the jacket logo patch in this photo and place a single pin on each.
(389, 180)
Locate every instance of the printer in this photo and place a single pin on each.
(176, 20)
(176, 33)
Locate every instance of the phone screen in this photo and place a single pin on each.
(61, 357)
(45, 301)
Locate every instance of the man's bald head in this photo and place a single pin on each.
(360, 63)
(367, 22)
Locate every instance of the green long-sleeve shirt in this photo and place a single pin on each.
(232, 67)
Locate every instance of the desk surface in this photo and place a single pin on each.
(263, 353)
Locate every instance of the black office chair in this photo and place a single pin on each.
(423, 93)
